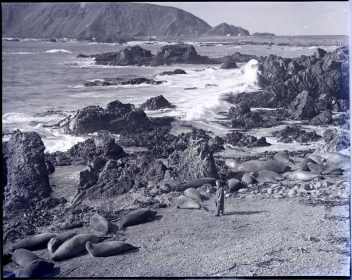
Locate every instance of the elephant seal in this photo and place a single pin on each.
(185, 202)
(334, 157)
(56, 241)
(34, 242)
(136, 217)
(73, 246)
(248, 178)
(37, 268)
(304, 164)
(301, 175)
(109, 248)
(283, 157)
(22, 257)
(258, 165)
(267, 176)
(194, 194)
(100, 224)
(316, 158)
(315, 168)
(234, 184)
(197, 183)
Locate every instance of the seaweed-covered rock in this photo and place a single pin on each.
(156, 103)
(324, 118)
(294, 133)
(239, 139)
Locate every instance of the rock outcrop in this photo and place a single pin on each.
(239, 139)
(294, 133)
(118, 118)
(229, 63)
(118, 81)
(156, 103)
(27, 174)
(174, 72)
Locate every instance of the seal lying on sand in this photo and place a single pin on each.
(194, 194)
(100, 224)
(22, 257)
(109, 248)
(282, 157)
(35, 242)
(137, 217)
(37, 268)
(184, 202)
(301, 175)
(267, 176)
(258, 165)
(73, 246)
(56, 241)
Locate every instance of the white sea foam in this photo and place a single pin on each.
(57, 51)
(60, 142)
(16, 118)
(21, 53)
(207, 100)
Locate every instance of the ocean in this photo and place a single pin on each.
(47, 77)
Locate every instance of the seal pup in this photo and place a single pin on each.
(100, 224)
(34, 242)
(136, 217)
(184, 202)
(74, 246)
(56, 241)
(22, 257)
(109, 248)
(37, 268)
(194, 194)
(301, 175)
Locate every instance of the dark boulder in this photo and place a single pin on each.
(303, 106)
(319, 53)
(156, 103)
(239, 57)
(50, 166)
(229, 63)
(265, 98)
(138, 81)
(324, 118)
(117, 119)
(119, 108)
(248, 120)
(196, 161)
(27, 173)
(174, 72)
(129, 56)
(180, 53)
(102, 146)
(118, 81)
(239, 110)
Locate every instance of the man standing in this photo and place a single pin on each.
(219, 197)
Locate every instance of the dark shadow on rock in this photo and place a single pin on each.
(244, 213)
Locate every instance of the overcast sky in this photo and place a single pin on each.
(283, 18)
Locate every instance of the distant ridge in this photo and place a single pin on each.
(102, 21)
(225, 29)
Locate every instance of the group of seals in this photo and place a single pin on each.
(35, 242)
